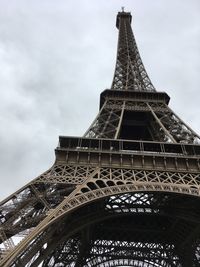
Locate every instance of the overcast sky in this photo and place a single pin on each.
(57, 56)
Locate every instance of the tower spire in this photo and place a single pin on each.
(130, 73)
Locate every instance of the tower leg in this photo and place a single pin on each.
(85, 247)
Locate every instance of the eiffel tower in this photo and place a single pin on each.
(127, 193)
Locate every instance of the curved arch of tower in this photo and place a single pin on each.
(127, 193)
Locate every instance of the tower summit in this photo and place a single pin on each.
(130, 73)
(127, 193)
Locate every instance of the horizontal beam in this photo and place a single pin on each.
(134, 95)
(127, 146)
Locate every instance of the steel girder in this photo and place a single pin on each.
(139, 229)
(130, 73)
(163, 123)
(112, 202)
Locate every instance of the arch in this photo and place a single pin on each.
(80, 199)
(94, 219)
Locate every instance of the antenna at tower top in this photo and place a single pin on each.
(123, 8)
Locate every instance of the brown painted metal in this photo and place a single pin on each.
(125, 194)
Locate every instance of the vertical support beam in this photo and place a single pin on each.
(93, 123)
(120, 121)
(161, 125)
(39, 196)
(84, 247)
(185, 125)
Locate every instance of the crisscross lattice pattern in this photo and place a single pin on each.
(130, 73)
(110, 205)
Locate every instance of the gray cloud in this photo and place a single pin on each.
(57, 56)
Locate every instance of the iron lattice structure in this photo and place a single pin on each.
(127, 193)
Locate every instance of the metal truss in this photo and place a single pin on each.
(125, 194)
(178, 130)
(130, 73)
(106, 123)
(165, 125)
(156, 232)
(115, 253)
(55, 193)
